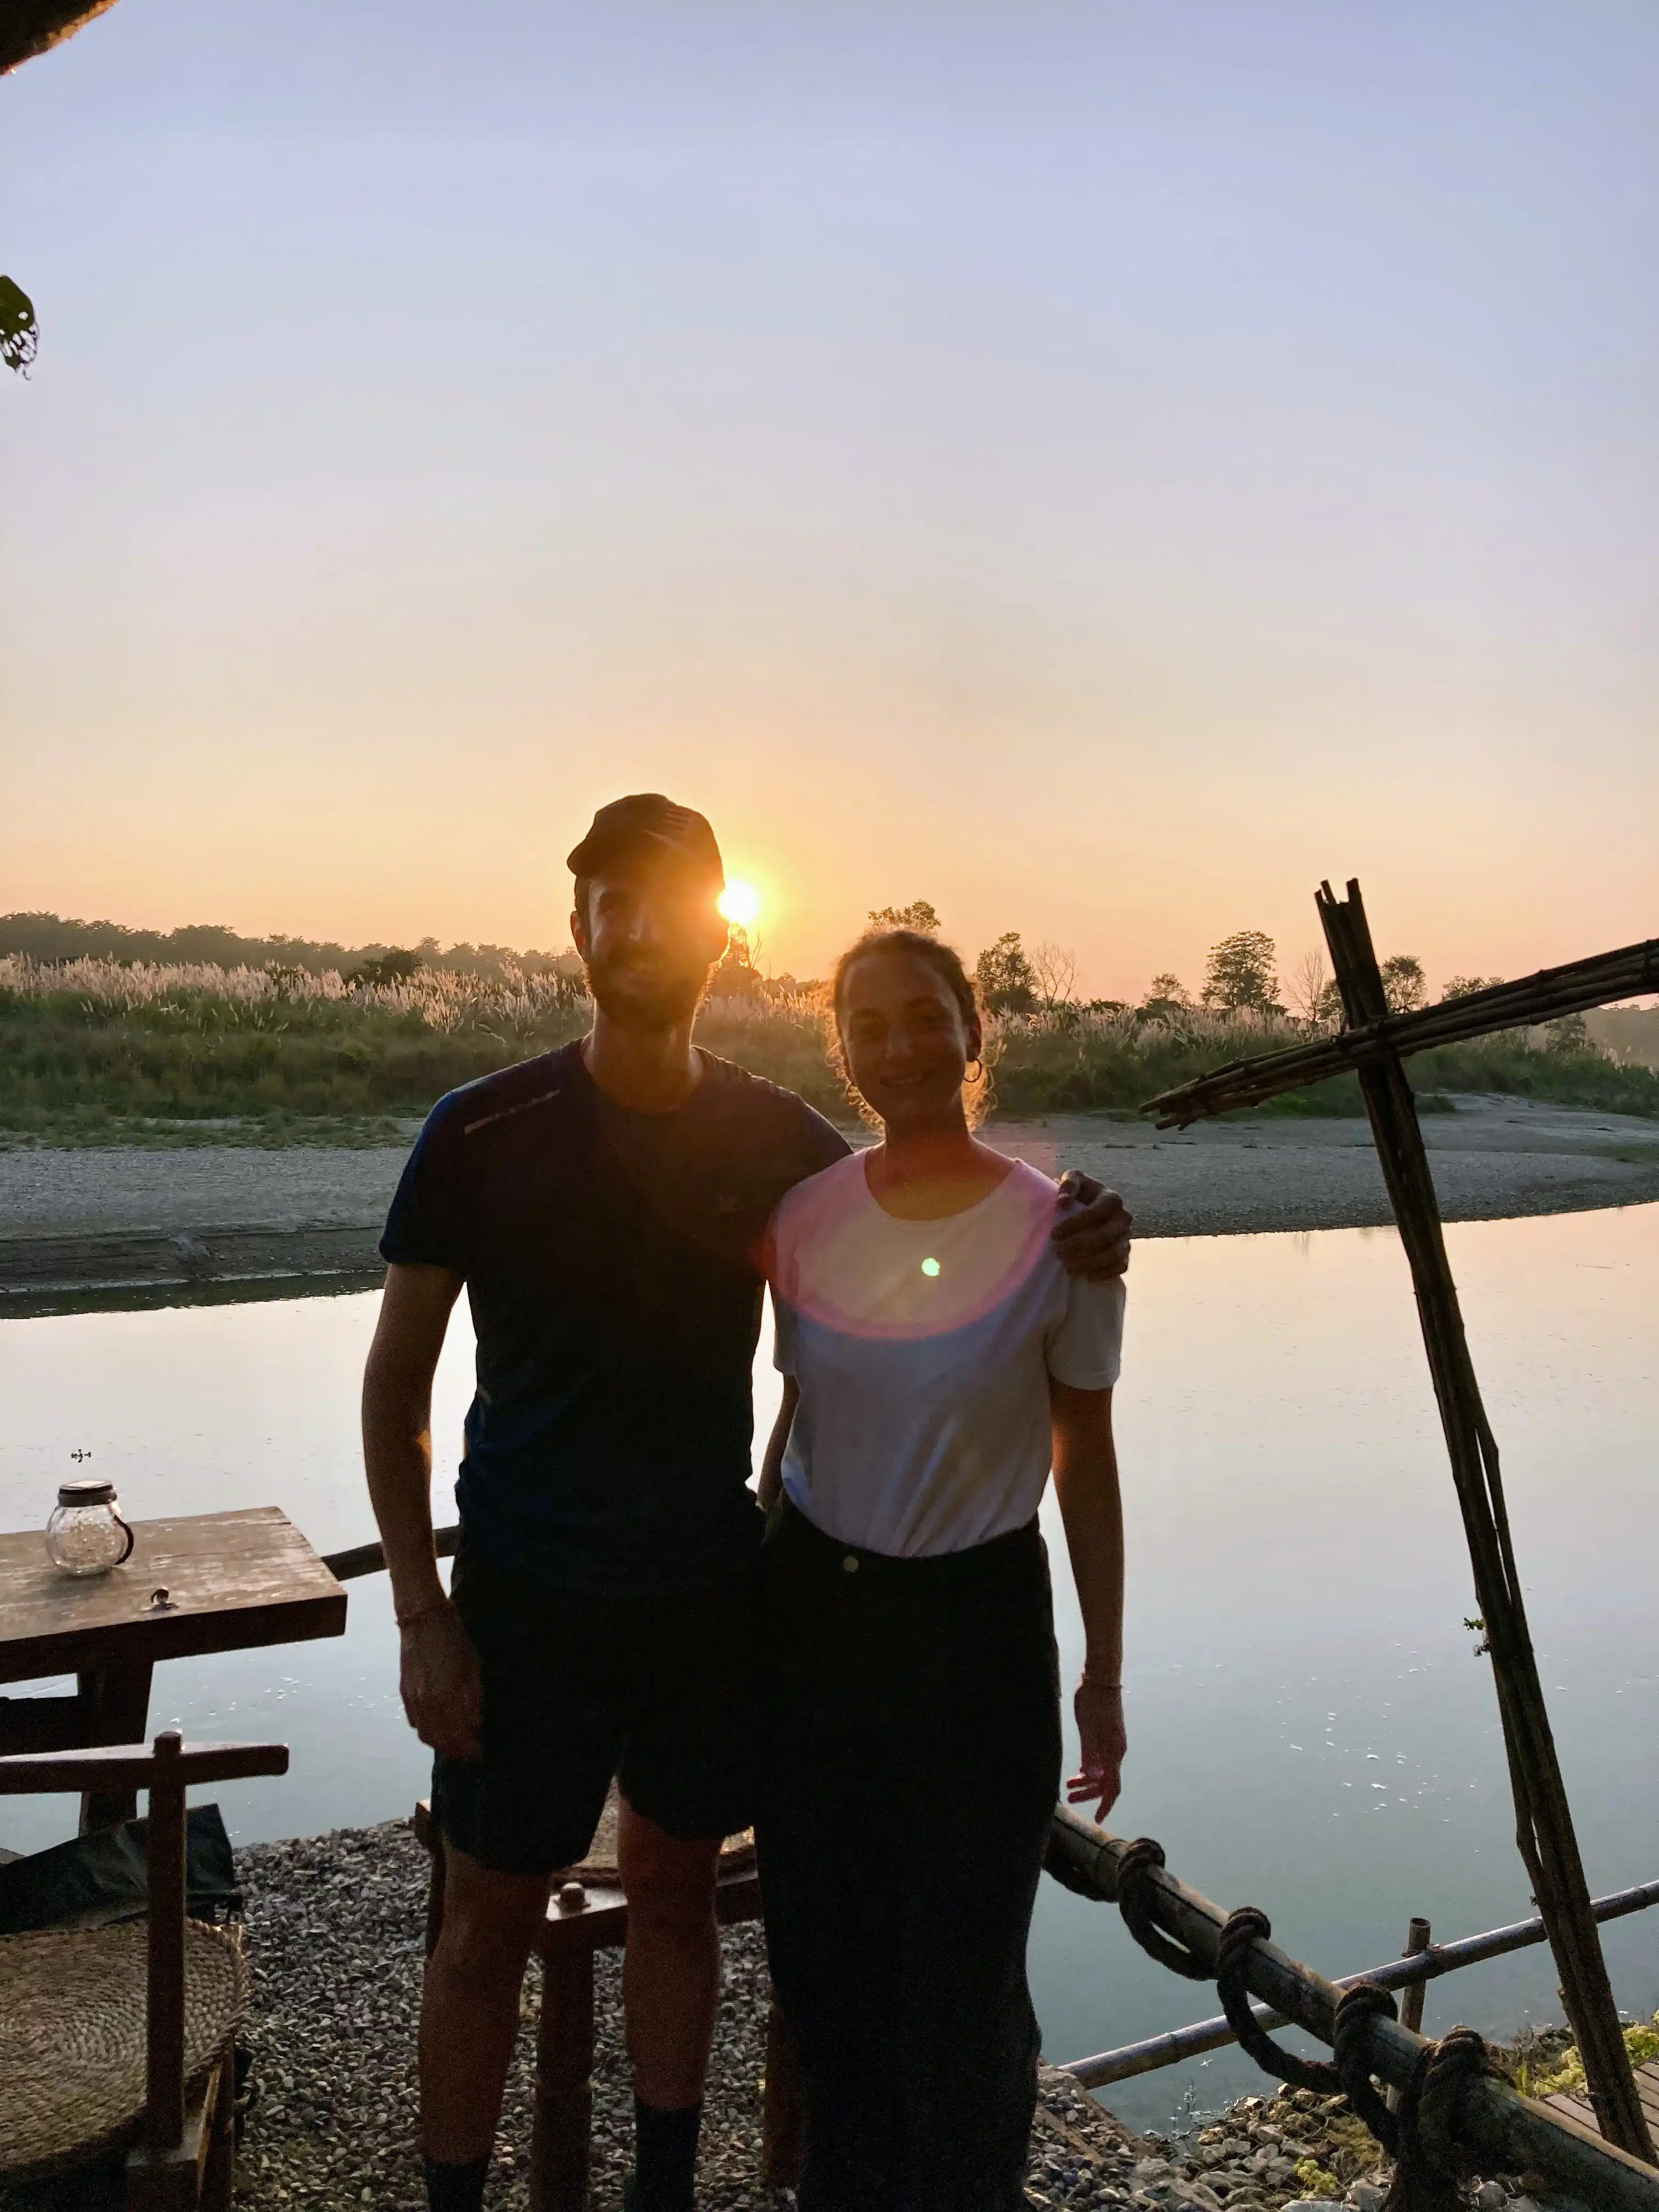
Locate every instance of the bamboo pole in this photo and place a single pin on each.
(1411, 2005)
(370, 1558)
(1508, 2133)
(1544, 1828)
(1409, 1973)
(1383, 1036)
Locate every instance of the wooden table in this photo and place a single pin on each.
(231, 1581)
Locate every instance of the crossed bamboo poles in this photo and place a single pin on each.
(1373, 1043)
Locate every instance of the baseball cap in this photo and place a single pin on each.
(645, 819)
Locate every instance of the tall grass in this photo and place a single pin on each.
(88, 1041)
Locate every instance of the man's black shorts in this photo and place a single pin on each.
(659, 1692)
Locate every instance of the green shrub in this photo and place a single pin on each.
(1641, 2041)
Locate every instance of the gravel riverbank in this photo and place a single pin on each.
(252, 1220)
(335, 1942)
(335, 1939)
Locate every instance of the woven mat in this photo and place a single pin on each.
(72, 2034)
(600, 1864)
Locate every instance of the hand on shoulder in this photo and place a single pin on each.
(1093, 1229)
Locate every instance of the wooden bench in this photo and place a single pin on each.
(587, 1912)
(1576, 2104)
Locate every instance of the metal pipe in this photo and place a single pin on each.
(1509, 2133)
(1427, 1966)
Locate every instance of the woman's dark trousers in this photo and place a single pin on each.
(914, 1754)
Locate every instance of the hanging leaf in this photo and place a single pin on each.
(19, 332)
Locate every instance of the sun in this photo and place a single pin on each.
(740, 903)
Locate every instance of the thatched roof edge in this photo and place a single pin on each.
(28, 27)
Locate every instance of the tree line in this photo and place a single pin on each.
(1241, 973)
(51, 938)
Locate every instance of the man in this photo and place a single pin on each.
(605, 1206)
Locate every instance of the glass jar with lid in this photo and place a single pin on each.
(86, 1535)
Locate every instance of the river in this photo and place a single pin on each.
(1310, 1730)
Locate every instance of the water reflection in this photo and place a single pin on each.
(1309, 1729)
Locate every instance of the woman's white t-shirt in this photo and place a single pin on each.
(923, 1351)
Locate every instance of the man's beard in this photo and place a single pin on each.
(644, 996)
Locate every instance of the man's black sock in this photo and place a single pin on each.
(457, 2188)
(665, 2157)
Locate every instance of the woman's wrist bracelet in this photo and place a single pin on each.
(1086, 1681)
(420, 1612)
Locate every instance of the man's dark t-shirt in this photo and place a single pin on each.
(612, 1264)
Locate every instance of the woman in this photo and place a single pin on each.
(936, 1360)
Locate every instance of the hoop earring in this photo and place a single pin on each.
(974, 1071)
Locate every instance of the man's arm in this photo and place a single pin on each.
(439, 1668)
(1092, 1229)
(1091, 1507)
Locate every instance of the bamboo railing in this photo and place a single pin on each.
(1427, 1964)
(1508, 2133)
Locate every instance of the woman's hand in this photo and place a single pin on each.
(1100, 1728)
(442, 1683)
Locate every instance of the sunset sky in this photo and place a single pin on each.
(1098, 467)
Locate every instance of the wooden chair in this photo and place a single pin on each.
(125, 2035)
(587, 1912)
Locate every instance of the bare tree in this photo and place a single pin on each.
(1310, 984)
(1054, 972)
(738, 974)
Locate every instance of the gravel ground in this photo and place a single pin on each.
(1491, 1158)
(335, 1927)
(58, 1191)
(115, 1217)
(335, 1939)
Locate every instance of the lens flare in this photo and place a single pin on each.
(740, 903)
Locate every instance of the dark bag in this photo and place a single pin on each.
(91, 1881)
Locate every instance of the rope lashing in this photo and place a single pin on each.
(1421, 2137)
(1429, 2170)
(1356, 2009)
(1134, 1902)
(1247, 1926)
(1350, 2075)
